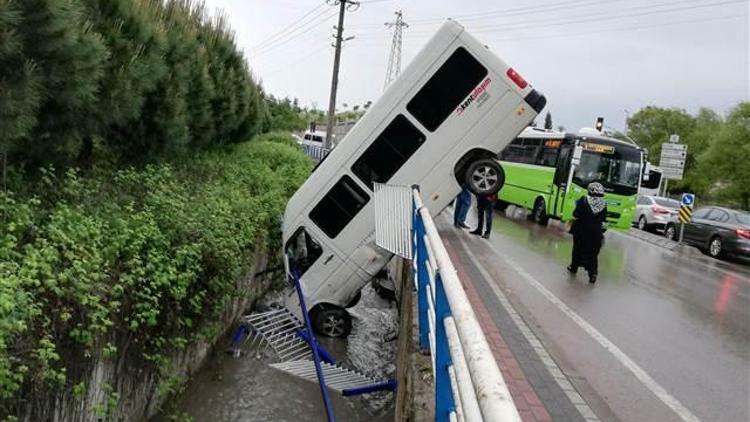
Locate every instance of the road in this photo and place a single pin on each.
(661, 336)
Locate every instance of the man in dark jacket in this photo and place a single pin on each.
(485, 212)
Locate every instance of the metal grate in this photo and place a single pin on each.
(337, 378)
(279, 329)
(393, 219)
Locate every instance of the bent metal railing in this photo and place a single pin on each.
(468, 382)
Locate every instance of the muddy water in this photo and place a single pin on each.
(247, 389)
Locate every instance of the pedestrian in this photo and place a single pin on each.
(588, 231)
(485, 212)
(461, 208)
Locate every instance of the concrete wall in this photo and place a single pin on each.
(415, 399)
(139, 389)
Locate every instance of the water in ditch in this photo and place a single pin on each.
(247, 389)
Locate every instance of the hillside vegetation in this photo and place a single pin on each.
(136, 187)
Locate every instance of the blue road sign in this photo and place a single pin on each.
(688, 199)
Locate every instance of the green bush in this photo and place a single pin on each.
(132, 259)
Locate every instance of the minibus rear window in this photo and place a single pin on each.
(388, 152)
(339, 206)
(445, 90)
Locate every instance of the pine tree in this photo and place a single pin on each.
(19, 89)
(548, 121)
(131, 31)
(69, 57)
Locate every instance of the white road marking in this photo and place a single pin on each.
(560, 378)
(683, 412)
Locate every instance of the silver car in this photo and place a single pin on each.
(654, 212)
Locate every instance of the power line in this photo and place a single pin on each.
(599, 17)
(312, 23)
(276, 34)
(604, 16)
(628, 28)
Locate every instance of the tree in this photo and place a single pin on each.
(548, 121)
(561, 128)
(19, 78)
(651, 126)
(69, 57)
(724, 168)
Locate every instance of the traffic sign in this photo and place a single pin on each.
(685, 215)
(675, 147)
(672, 173)
(674, 138)
(673, 154)
(672, 160)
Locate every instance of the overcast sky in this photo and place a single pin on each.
(590, 58)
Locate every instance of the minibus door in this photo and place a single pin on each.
(561, 179)
(315, 261)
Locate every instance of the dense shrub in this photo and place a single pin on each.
(136, 258)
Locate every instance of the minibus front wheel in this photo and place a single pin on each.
(484, 177)
(331, 321)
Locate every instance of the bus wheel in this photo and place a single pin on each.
(670, 232)
(539, 214)
(331, 321)
(484, 177)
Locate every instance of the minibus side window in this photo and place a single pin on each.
(302, 251)
(399, 141)
(445, 90)
(339, 206)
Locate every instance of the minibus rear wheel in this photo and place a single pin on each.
(331, 321)
(484, 177)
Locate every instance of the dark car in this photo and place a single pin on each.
(718, 231)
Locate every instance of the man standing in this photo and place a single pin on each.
(463, 203)
(485, 212)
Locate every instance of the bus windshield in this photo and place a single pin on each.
(617, 168)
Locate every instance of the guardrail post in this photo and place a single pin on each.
(444, 404)
(423, 278)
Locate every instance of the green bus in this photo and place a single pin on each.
(546, 172)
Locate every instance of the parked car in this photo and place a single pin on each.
(654, 212)
(716, 231)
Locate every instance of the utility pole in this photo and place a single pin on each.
(344, 5)
(394, 58)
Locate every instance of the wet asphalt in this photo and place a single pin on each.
(669, 332)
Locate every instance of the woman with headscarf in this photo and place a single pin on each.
(587, 229)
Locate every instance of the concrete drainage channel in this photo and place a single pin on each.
(248, 388)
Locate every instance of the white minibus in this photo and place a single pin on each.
(439, 125)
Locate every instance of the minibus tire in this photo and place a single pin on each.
(488, 170)
(331, 321)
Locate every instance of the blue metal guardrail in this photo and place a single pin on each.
(314, 346)
(468, 382)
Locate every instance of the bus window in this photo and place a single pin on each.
(302, 251)
(522, 151)
(550, 151)
(388, 152)
(441, 94)
(339, 206)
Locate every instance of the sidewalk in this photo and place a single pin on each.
(540, 390)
